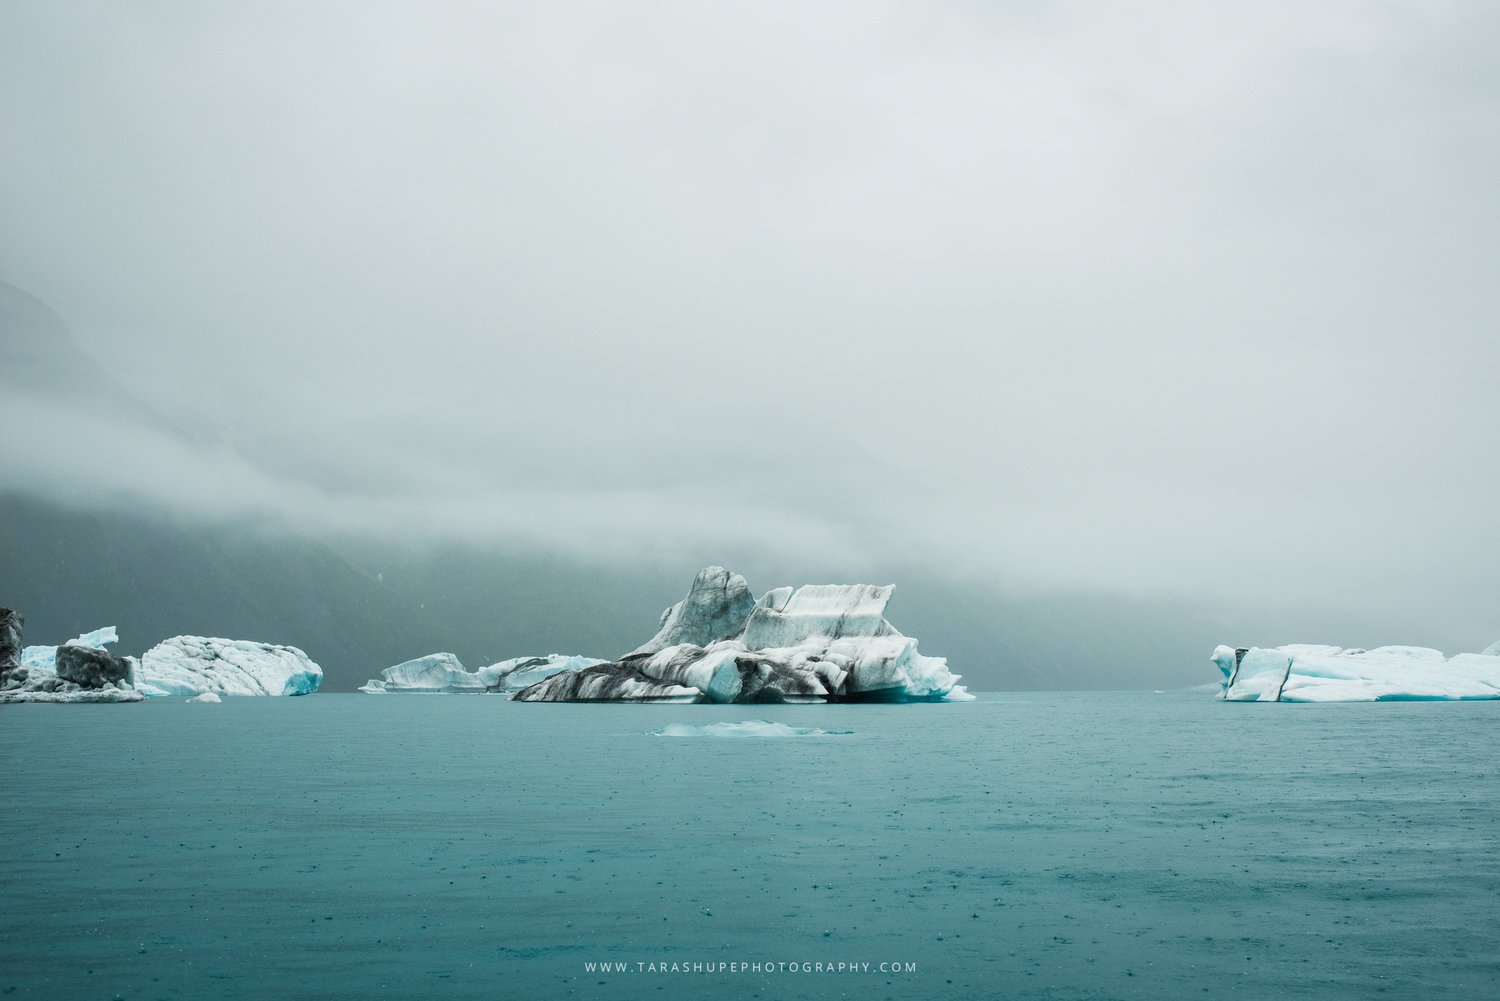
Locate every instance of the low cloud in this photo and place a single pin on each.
(1191, 302)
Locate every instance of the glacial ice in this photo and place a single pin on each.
(434, 673)
(748, 728)
(182, 666)
(817, 643)
(34, 676)
(186, 666)
(1313, 673)
(523, 672)
(715, 608)
(206, 697)
(45, 657)
(442, 674)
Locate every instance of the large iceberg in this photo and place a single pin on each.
(192, 665)
(442, 674)
(1311, 673)
(818, 643)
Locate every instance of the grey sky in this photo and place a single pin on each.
(1166, 298)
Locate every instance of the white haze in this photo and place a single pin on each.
(1161, 298)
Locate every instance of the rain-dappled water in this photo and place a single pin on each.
(1039, 845)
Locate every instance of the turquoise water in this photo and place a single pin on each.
(1025, 846)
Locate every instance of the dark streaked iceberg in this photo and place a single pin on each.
(10, 640)
(78, 671)
(1311, 673)
(89, 667)
(818, 643)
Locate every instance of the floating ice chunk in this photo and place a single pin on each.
(1309, 673)
(1493, 650)
(819, 643)
(96, 677)
(442, 674)
(749, 728)
(522, 672)
(206, 697)
(436, 673)
(192, 665)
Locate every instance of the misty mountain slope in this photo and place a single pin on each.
(69, 571)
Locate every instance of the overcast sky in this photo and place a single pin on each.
(1177, 298)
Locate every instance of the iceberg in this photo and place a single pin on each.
(206, 697)
(442, 674)
(434, 673)
(817, 643)
(187, 666)
(80, 670)
(1312, 673)
(523, 672)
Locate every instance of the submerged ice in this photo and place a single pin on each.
(748, 728)
(1312, 673)
(817, 643)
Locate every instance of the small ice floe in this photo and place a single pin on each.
(205, 697)
(749, 728)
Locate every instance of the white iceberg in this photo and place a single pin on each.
(818, 643)
(748, 728)
(1311, 673)
(523, 672)
(206, 697)
(185, 666)
(434, 673)
(442, 674)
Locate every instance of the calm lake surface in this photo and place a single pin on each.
(1048, 845)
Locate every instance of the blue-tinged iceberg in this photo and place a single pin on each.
(1311, 673)
(442, 674)
(818, 643)
(187, 666)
